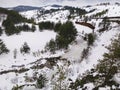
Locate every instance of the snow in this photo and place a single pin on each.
(57, 16)
(77, 67)
(103, 40)
(116, 78)
(36, 41)
(89, 86)
(30, 88)
(96, 53)
(50, 7)
(75, 51)
(29, 14)
(106, 88)
(82, 30)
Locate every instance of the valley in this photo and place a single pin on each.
(48, 50)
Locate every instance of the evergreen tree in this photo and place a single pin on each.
(41, 81)
(25, 48)
(57, 27)
(1, 31)
(67, 34)
(62, 43)
(51, 46)
(10, 27)
(33, 28)
(3, 48)
(15, 87)
(13, 18)
(91, 39)
(26, 27)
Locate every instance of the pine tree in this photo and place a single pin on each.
(33, 28)
(1, 31)
(91, 39)
(51, 46)
(41, 81)
(25, 48)
(57, 27)
(3, 48)
(67, 34)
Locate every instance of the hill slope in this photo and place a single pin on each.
(64, 69)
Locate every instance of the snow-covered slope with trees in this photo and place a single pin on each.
(29, 64)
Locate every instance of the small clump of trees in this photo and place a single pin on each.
(46, 25)
(66, 34)
(100, 14)
(26, 28)
(13, 18)
(104, 25)
(74, 10)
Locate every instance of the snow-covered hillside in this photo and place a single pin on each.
(64, 66)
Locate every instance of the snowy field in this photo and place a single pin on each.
(36, 41)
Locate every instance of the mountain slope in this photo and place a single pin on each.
(24, 8)
(64, 69)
